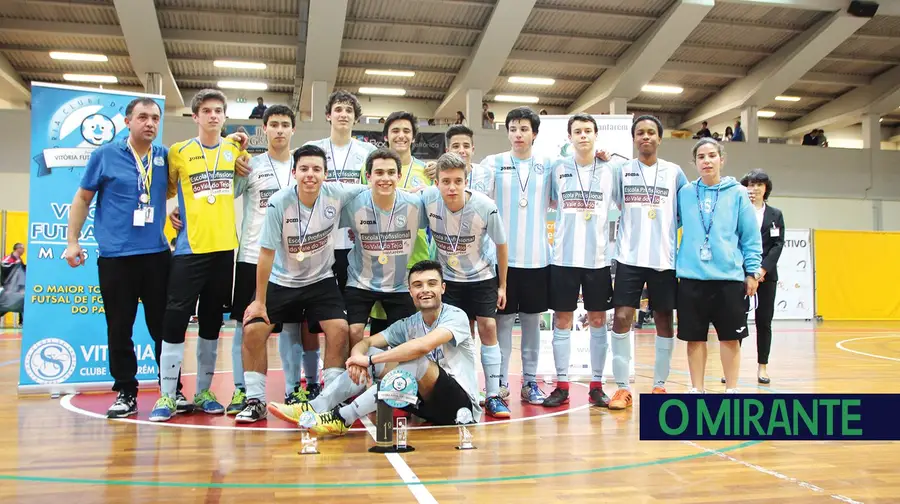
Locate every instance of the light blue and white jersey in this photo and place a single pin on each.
(522, 193)
(291, 227)
(376, 232)
(481, 179)
(465, 235)
(266, 177)
(645, 191)
(579, 242)
(345, 164)
(456, 357)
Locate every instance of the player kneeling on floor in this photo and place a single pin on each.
(434, 345)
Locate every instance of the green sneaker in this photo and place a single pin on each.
(206, 400)
(238, 402)
(298, 396)
(163, 410)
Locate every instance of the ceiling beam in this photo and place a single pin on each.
(564, 58)
(229, 38)
(831, 78)
(324, 36)
(57, 28)
(734, 72)
(386, 23)
(888, 8)
(778, 72)
(12, 87)
(645, 57)
(369, 46)
(143, 38)
(491, 52)
(604, 13)
(881, 97)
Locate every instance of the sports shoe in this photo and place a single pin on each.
(313, 390)
(532, 394)
(289, 412)
(695, 391)
(732, 391)
(254, 411)
(659, 390)
(620, 400)
(238, 402)
(299, 395)
(206, 401)
(328, 423)
(496, 407)
(482, 396)
(504, 391)
(182, 405)
(163, 410)
(556, 398)
(598, 397)
(125, 405)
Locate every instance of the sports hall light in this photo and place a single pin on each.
(257, 86)
(765, 113)
(536, 81)
(391, 73)
(243, 65)
(60, 55)
(788, 98)
(382, 91)
(516, 99)
(104, 79)
(659, 88)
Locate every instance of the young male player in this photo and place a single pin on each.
(522, 192)
(385, 222)
(463, 222)
(461, 141)
(434, 345)
(201, 173)
(294, 275)
(582, 187)
(648, 188)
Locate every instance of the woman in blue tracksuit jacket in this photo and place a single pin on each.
(717, 264)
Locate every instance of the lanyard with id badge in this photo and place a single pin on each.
(144, 213)
(705, 251)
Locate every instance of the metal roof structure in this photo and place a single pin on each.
(726, 55)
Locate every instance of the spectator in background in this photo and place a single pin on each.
(738, 132)
(487, 117)
(15, 256)
(10, 263)
(811, 138)
(460, 118)
(543, 112)
(704, 131)
(259, 109)
(729, 134)
(821, 139)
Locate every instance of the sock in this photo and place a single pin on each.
(504, 338)
(337, 391)
(169, 366)
(256, 385)
(360, 407)
(289, 364)
(207, 352)
(490, 362)
(663, 360)
(237, 359)
(332, 374)
(531, 345)
(562, 350)
(621, 349)
(599, 347)
(311, 366)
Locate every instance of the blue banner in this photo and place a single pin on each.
(258, 142)
(769, 417)
(64, 336)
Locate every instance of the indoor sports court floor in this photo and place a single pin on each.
(65, 451)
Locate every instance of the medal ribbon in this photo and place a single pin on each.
(706, 229)
(378, 226)
(585, 197)
(462, 213)
(145, 175)
(644, 181)
(206, 163)
(300, 217)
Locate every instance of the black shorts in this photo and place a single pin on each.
(721, 303)
(397, 305)
(662, 287)
(340, 267)
(447, 398)
(194, 275)
(595, 286)
(244, 289)
(527, 290)
(320, 301)
(477, 299)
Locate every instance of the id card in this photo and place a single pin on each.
(705, 252)
(775, 232)
(140, 217)
(148, 215)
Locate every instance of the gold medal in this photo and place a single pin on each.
(587, 216)
(652, 213)
(211, 199)
(300, 256)
(453, 261)
(383, 259)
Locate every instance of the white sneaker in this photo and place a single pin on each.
(732, 391)
(694, 391)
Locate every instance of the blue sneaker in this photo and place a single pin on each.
(495, 407)
(532, 394)
(163, 410)
(206, 401)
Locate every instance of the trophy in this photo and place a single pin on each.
(402, 433)
(463, 417)
(308, 444)
(397, 389)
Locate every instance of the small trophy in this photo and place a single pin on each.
(463, 417)
(402, 433)
(308, 443)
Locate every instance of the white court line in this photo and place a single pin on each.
(770, 472)
(418, 490)
(840, 346)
